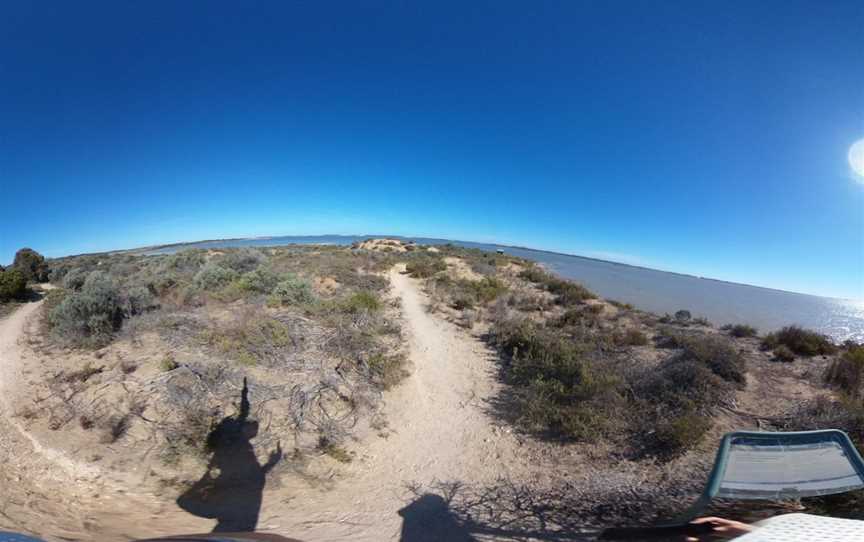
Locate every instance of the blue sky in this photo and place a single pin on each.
(702, 137)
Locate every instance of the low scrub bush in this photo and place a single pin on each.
(13, 285)
(847, 372)
(803, 342)
(74, 278)
(783, 353)
(560, 389)
(139, 300)
(717, 354)
(90, 316)
(425, 267)
(292, 290)
(362, 302)
(485, 290)
(242, 260)
(565, 382)
(260, 281)
(630, 337)
(386, 371)
(183, 262)
(250, 339)
(742, 331)
(212, 277)
(168, 363)
(683, 316)
(678, 434)
(535, 274)
(567, 292)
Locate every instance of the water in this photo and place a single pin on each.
(648, 289)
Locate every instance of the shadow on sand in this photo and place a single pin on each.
(231, 489)
(453, 511)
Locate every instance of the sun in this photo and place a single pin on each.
(856, 159)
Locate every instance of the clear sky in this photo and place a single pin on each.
(703, 137)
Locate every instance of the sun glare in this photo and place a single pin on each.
(856, 159)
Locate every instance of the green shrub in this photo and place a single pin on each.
(362, 301)
(13, 285)
(242, 260)
(847, 372)
(718, 354)
(742, 330)
(91, 315)
(260, 281)
(535, 274)
(803, 342)
(211, 277)
(631, 337)
(576, 316)
(783, 353)
(425, 267)
(559, 388)
(679, 434)
(683, 316)
(250, 339)
(567, 292)
(481, 291)
(74, 278)
(31, 264)
(139, 300)
(292, 290)
(186, 261)
(168, 363)
(386, 371)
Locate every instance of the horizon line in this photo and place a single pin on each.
(495, 244)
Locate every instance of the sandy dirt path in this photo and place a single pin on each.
(437, 431)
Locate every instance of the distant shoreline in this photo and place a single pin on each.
(434, 240)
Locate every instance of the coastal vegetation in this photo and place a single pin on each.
(150, 352)
(799, 341)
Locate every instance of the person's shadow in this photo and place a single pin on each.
(231, 489)
(429, 519)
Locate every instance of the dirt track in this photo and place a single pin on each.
(437, 431)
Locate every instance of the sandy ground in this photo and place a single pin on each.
(437, 430)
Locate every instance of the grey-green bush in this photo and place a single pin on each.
(212, 277)
(91, 315)
(261, 281)
(74, 278)
(242, 260)
(293, 290)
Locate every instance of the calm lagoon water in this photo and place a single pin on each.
(648, 289)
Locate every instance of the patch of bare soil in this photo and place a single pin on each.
(386, 245)
(459, 269)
